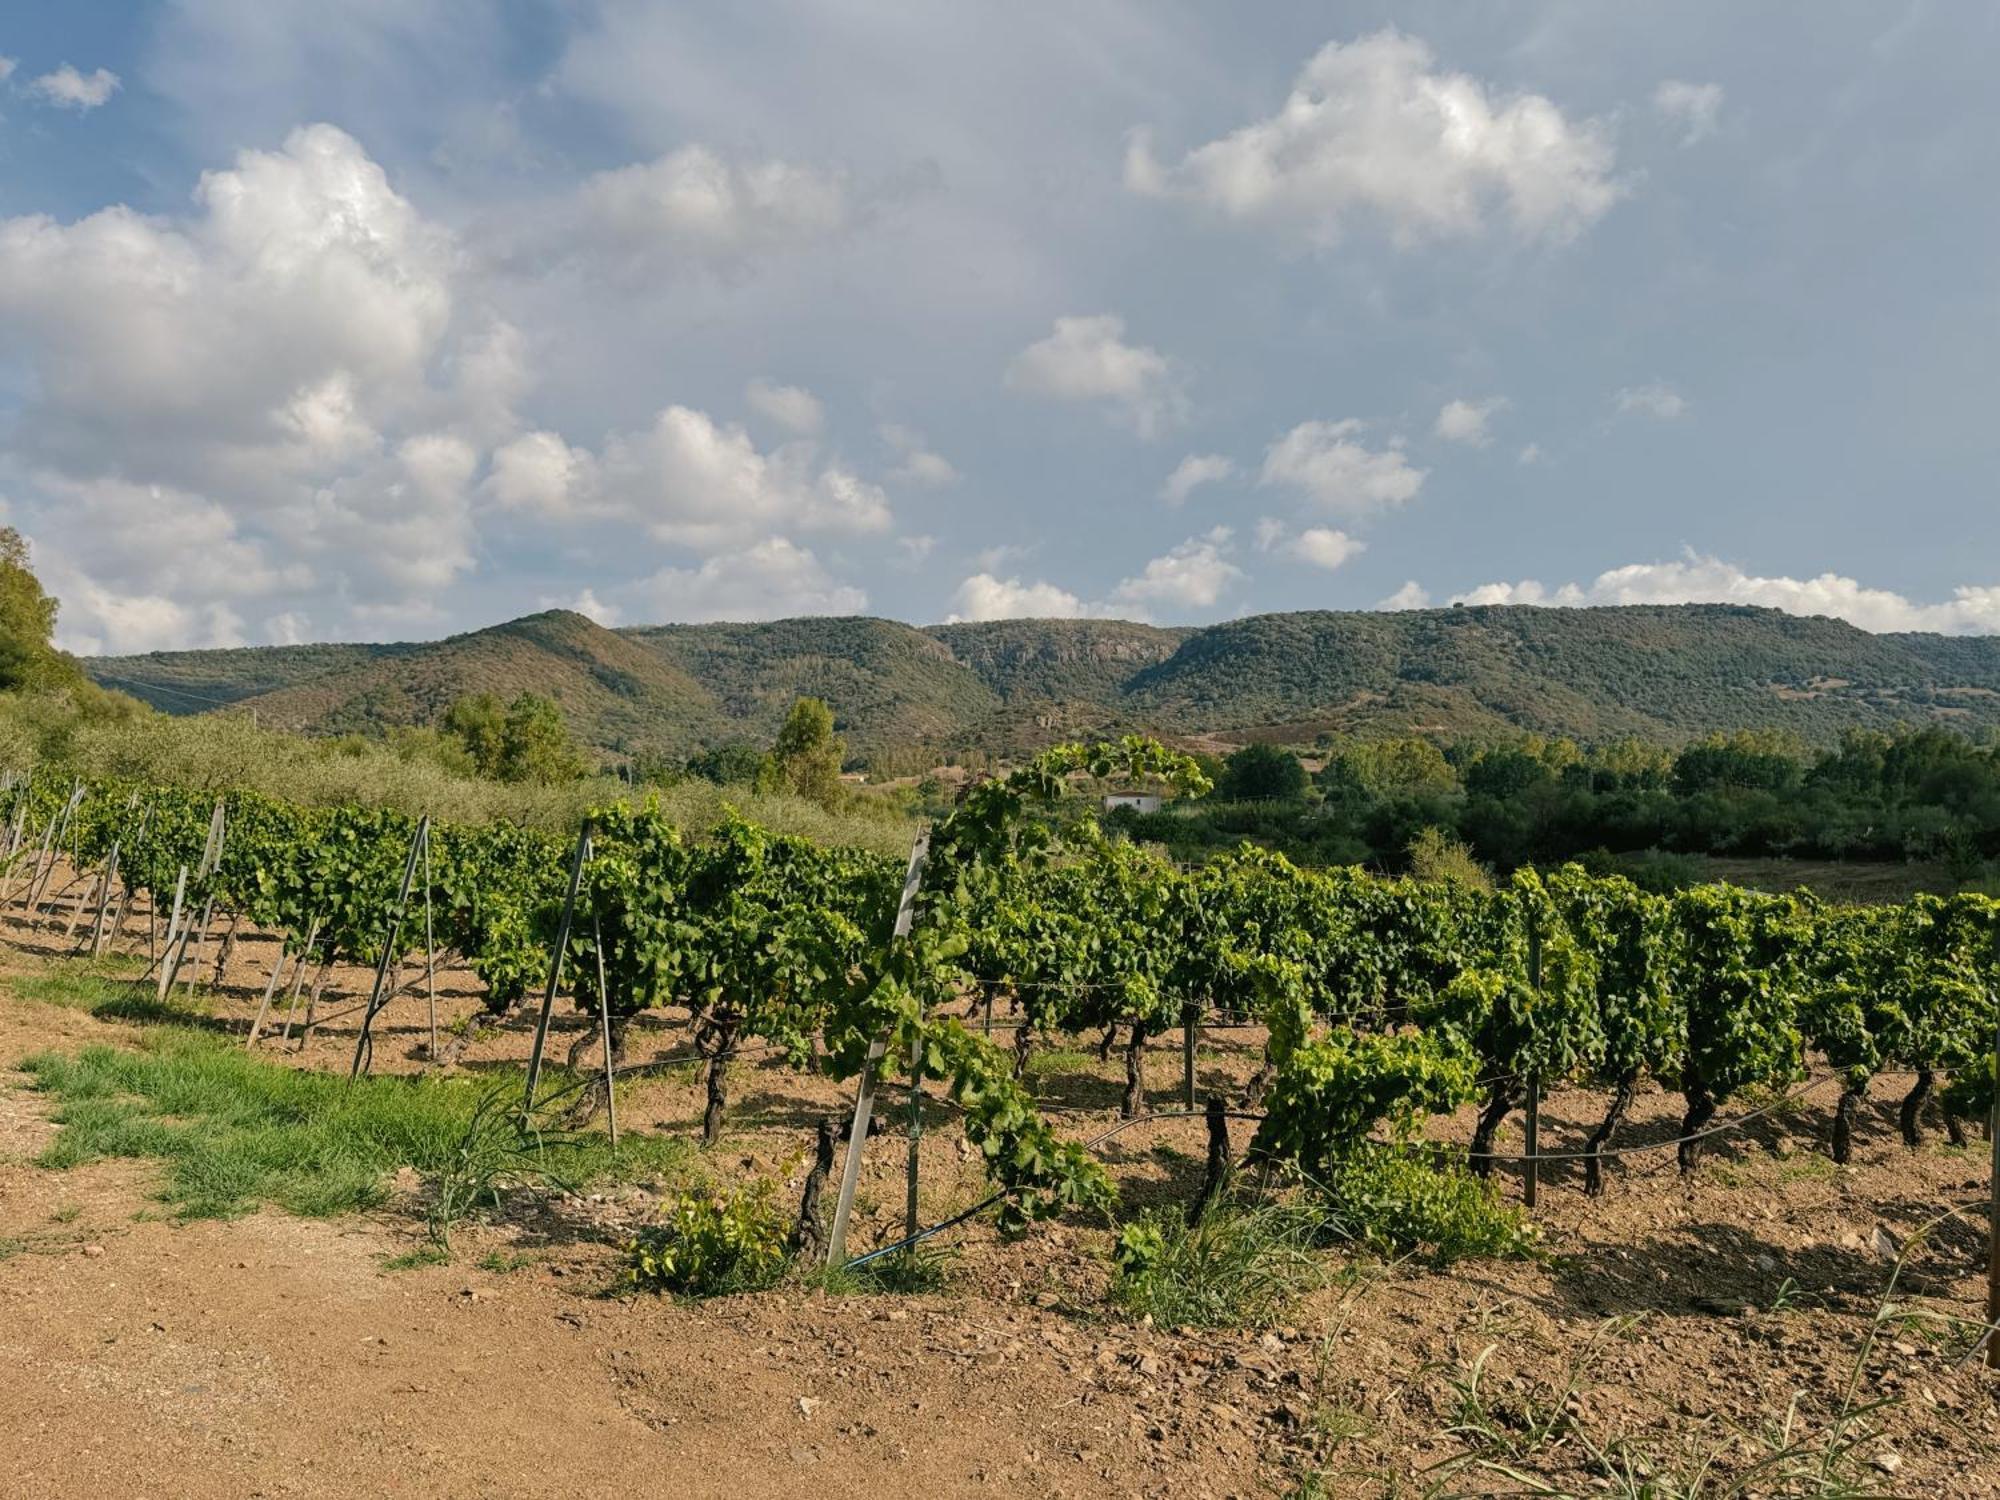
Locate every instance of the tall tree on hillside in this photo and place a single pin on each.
(806, 759)
(28, 659)
(525, 741)
(1261, 773)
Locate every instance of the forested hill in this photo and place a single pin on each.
(1659, 672)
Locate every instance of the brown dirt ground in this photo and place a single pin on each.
(276, 1355)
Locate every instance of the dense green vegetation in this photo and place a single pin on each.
(904, 698)
(1914, 794)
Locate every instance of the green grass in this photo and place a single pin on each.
(235, 1132)
(106, 988)
(1061, 1062)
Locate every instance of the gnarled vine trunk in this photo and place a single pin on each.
(1844, 1112)
(595, 1094)
(1700, 1110)
(1024, 1041)
(1910, 1116)
(1107, 1042)
(1135, 1072)
(809, 1234)
(1600, 1138)
(1498, 1104)
(721, 1041)
(1221, 1163)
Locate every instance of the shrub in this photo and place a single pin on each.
(1233, 1268)
(713, 1243)
(1396, 1202)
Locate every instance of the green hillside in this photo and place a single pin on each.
(1664, 673)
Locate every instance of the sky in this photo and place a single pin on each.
(394, 318)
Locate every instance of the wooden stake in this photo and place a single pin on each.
(604, 1025)
(864, 1094)
(364, 1043)
(299, 979)
(270, 989)
(430, 950)
(168, 956)
(1190, 1032)
(555, 969)
(97, 934)
(1532, 1179)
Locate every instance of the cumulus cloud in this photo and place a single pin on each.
(1193, 575)
(1411, 595)
(690, 480)
(1698, 579)
(916, 463)
(1086, 359)
(1655, 399)
(1375, 128)
(1468, 422)
(695, 206)
(1531, 453)
(1192, 472)
(792, 407)
(289, 356)
(1693, 107)
(773, 579)
(66, 88)
(7, 67)
(1323, 547)
(1326, 462)
(986, 597)
(589, 606)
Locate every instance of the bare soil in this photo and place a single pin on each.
(1725, 1315)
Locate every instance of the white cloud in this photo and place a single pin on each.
(588, 605)
(916, 548)
(66, 88)
(7, 67)
(1325, 462)
(1531, 453)
(1193, 575)
(792, 407)
(985, 597)
(1374, 128)
(1087, 359)
(1320, 546)
(694, 206)
(289, 628)
(1694, 107)
(1411, 595)
(1468, 422)
(774, 579)
(1192, 472)
(916, 463)
(690, 480)
(1696, 579)
(1324, 547)
(287, 365)
(1655, 399)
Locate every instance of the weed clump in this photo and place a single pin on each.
(711, 1243)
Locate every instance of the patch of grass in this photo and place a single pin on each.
(502, 1264)
(1234, 1268)
(1061, 1062)
(922, 1268)
(423, 1255)
(69, 1213)
(106, 989)
(235, 1131)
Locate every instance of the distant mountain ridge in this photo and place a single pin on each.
(1657, 672)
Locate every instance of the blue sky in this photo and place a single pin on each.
(399, 317)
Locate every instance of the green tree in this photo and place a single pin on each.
(479, 723)
(27, 621)
(535, 744)
(1261, 773)
(806, 759)
(525, 741)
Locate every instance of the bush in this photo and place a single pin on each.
(1233, 1268)
(712, 1244)
(1396, 1203)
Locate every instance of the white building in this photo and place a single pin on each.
(1144, 802)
